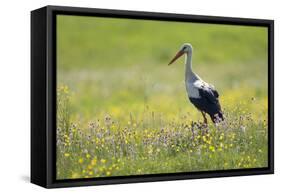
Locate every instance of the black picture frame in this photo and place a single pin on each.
(43, 95)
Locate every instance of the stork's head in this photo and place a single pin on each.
(185, 48)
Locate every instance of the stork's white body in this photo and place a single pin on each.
(193, 86)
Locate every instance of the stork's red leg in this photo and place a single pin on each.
(205, 118)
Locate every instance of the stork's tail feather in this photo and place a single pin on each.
(218, 117)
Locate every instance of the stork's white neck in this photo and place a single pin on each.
(189, 75)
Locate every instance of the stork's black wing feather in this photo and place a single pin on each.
(209, 103)
(210, 94)
(215, 92)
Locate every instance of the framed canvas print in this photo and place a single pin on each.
(126, 96)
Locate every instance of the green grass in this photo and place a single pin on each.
(116, 69)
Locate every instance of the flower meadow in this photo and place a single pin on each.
(109, 147)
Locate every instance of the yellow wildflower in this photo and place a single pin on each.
(94, 162)
(204, 138)
(66, 154)
(103, 161)
(90, 167)
(80, 160)
(212, 148)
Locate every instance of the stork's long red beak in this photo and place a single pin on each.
(178, 55)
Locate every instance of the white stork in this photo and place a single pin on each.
(201, 94)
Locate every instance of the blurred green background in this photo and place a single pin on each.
(117, 66)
